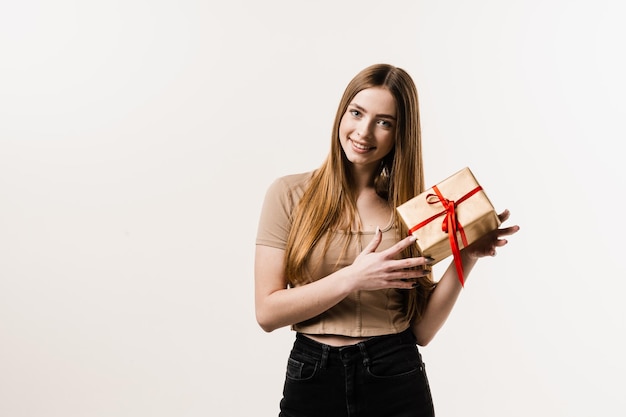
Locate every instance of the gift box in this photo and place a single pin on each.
(449, 216)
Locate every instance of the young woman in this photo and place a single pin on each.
(334, 263)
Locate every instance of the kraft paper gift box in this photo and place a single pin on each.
(457, 203)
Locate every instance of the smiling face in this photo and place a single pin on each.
(367, 128)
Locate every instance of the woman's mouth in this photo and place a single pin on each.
(361, 147)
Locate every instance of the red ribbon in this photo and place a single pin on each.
(450, 224)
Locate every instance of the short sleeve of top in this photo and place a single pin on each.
(281, 198)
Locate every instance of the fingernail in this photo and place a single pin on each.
(415, 284)
(412, 238)
(377, 230)
(429, 260)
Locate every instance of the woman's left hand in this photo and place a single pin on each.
(487, 245)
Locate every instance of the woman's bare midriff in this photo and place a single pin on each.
(336, 340)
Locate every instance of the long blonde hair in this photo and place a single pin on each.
(330, 195)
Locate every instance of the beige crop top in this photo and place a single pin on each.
(362, 313)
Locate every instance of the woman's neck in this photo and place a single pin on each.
(363, 177)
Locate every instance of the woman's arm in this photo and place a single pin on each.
(441, 302)
(278, 306)
(444, 296)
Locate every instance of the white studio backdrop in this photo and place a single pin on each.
(137, 139)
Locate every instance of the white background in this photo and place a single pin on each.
(137, 139)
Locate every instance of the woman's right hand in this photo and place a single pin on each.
(373, 270)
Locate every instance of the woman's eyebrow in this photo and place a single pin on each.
(362, 110)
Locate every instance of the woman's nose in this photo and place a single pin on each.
(363, 129)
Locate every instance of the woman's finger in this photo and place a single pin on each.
(373, 245)
(507, 231)
(400, 246)
(504, 216)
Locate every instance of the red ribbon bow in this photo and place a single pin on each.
(450, 224)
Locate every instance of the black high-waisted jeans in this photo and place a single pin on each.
(381, 377)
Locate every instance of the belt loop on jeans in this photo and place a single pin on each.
(325, 352)
(366, 358)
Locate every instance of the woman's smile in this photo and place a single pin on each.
(361, 147)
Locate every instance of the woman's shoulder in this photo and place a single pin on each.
(281, 198)
(297, 179)
(292, 182)
(287, 190)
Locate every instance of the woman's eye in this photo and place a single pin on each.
(384, 123)
(355, 113)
